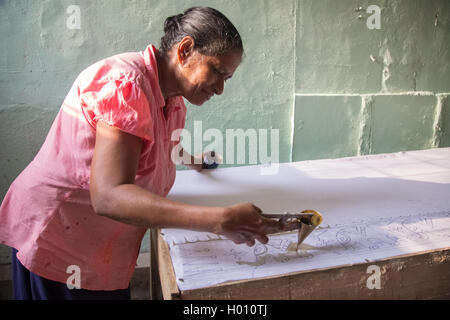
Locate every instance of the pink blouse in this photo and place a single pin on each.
(47, 213)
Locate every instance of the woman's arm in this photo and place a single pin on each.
(114, 195)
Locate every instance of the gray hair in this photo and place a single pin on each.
(212, 32)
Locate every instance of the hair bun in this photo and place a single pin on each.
(173, 22)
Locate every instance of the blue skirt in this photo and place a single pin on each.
(29, 286)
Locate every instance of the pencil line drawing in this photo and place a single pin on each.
(361, 240)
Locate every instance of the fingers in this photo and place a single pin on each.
(240, 238)
(262, 238)
(257, 209)
(249, 238)
(245, 224)
(270, 226)
(251, 242)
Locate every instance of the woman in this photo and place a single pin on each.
(102, 175)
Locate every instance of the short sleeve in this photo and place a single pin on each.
(119, 103)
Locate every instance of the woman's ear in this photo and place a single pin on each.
(184, 49)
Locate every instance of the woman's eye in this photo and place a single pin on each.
(221, 74)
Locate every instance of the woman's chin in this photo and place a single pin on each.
(197, 102)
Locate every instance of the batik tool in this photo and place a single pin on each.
(305, 221)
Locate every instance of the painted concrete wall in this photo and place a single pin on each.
(313, 69)
(363, 91)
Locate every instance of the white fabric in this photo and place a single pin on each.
(374, 207)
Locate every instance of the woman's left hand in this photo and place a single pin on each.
(196, 163)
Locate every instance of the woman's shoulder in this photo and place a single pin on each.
(129, 66)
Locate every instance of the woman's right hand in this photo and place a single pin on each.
(243, 223)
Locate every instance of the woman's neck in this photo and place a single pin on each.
(167, 77)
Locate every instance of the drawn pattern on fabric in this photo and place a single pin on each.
(202, 262)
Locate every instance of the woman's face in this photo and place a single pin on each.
(203, 76)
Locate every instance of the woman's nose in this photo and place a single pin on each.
(218, 88)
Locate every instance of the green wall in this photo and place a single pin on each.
(366, 91)
(313, 69)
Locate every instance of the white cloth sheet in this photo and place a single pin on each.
(374, 207)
